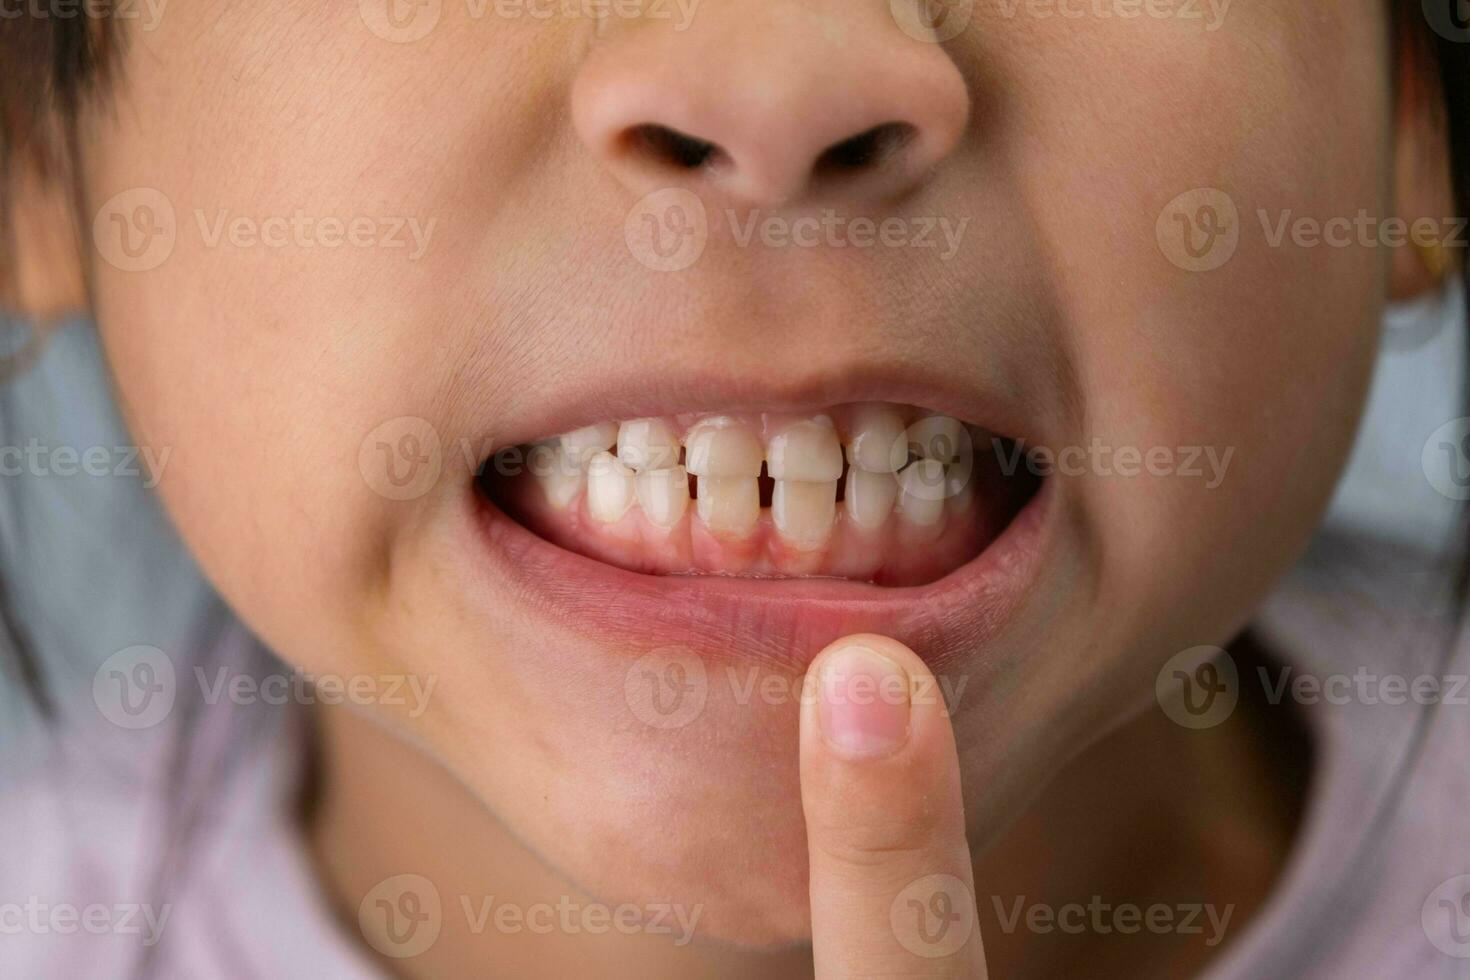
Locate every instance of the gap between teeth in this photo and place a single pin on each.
(912, 473)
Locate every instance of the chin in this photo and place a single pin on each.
(651, 636)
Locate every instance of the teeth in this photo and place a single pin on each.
(803, 511)
(664, 495)
(869, 497)
(560, 479)
(648, 444)
(730, 504)
(582, 444)
(939, 437)
(806, 451)
(722, 447)
(921, 492)
(877, 441)
(637, 461)
(609, 488)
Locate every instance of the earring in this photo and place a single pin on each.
(1436, 258)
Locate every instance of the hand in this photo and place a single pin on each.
(892, 892)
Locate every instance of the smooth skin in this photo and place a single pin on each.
(266, 369)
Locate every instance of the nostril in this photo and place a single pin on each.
(671, 148)
(864, 151)
(855, 110)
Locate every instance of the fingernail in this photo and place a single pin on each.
(864, 703)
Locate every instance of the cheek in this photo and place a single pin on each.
(268, 352)
(1252, 355)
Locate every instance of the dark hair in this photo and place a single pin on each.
(53, 65)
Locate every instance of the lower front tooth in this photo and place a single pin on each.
(869, 497)
(729, 504)
(664, 495)
(921, 492)
(560, 479)
(803, 511)
(610, 487)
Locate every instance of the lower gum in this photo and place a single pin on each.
(852, 552)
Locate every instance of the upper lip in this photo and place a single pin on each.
(612, 392)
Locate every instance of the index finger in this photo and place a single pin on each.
(892, 891)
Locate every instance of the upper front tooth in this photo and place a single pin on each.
(584, 443)
(723, 447)
(648, 444)
(939, 437)
(807, 451)
(876, 439)
(610, 487)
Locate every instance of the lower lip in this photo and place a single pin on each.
(783, 622)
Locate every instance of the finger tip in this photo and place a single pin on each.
(915, 668)
(885, 646)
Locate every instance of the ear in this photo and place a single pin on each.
(42, 271)
(1423, 188)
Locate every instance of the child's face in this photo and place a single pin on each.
(280, 368)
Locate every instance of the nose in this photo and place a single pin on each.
(771, 102)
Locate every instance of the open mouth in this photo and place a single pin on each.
(882, 493)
